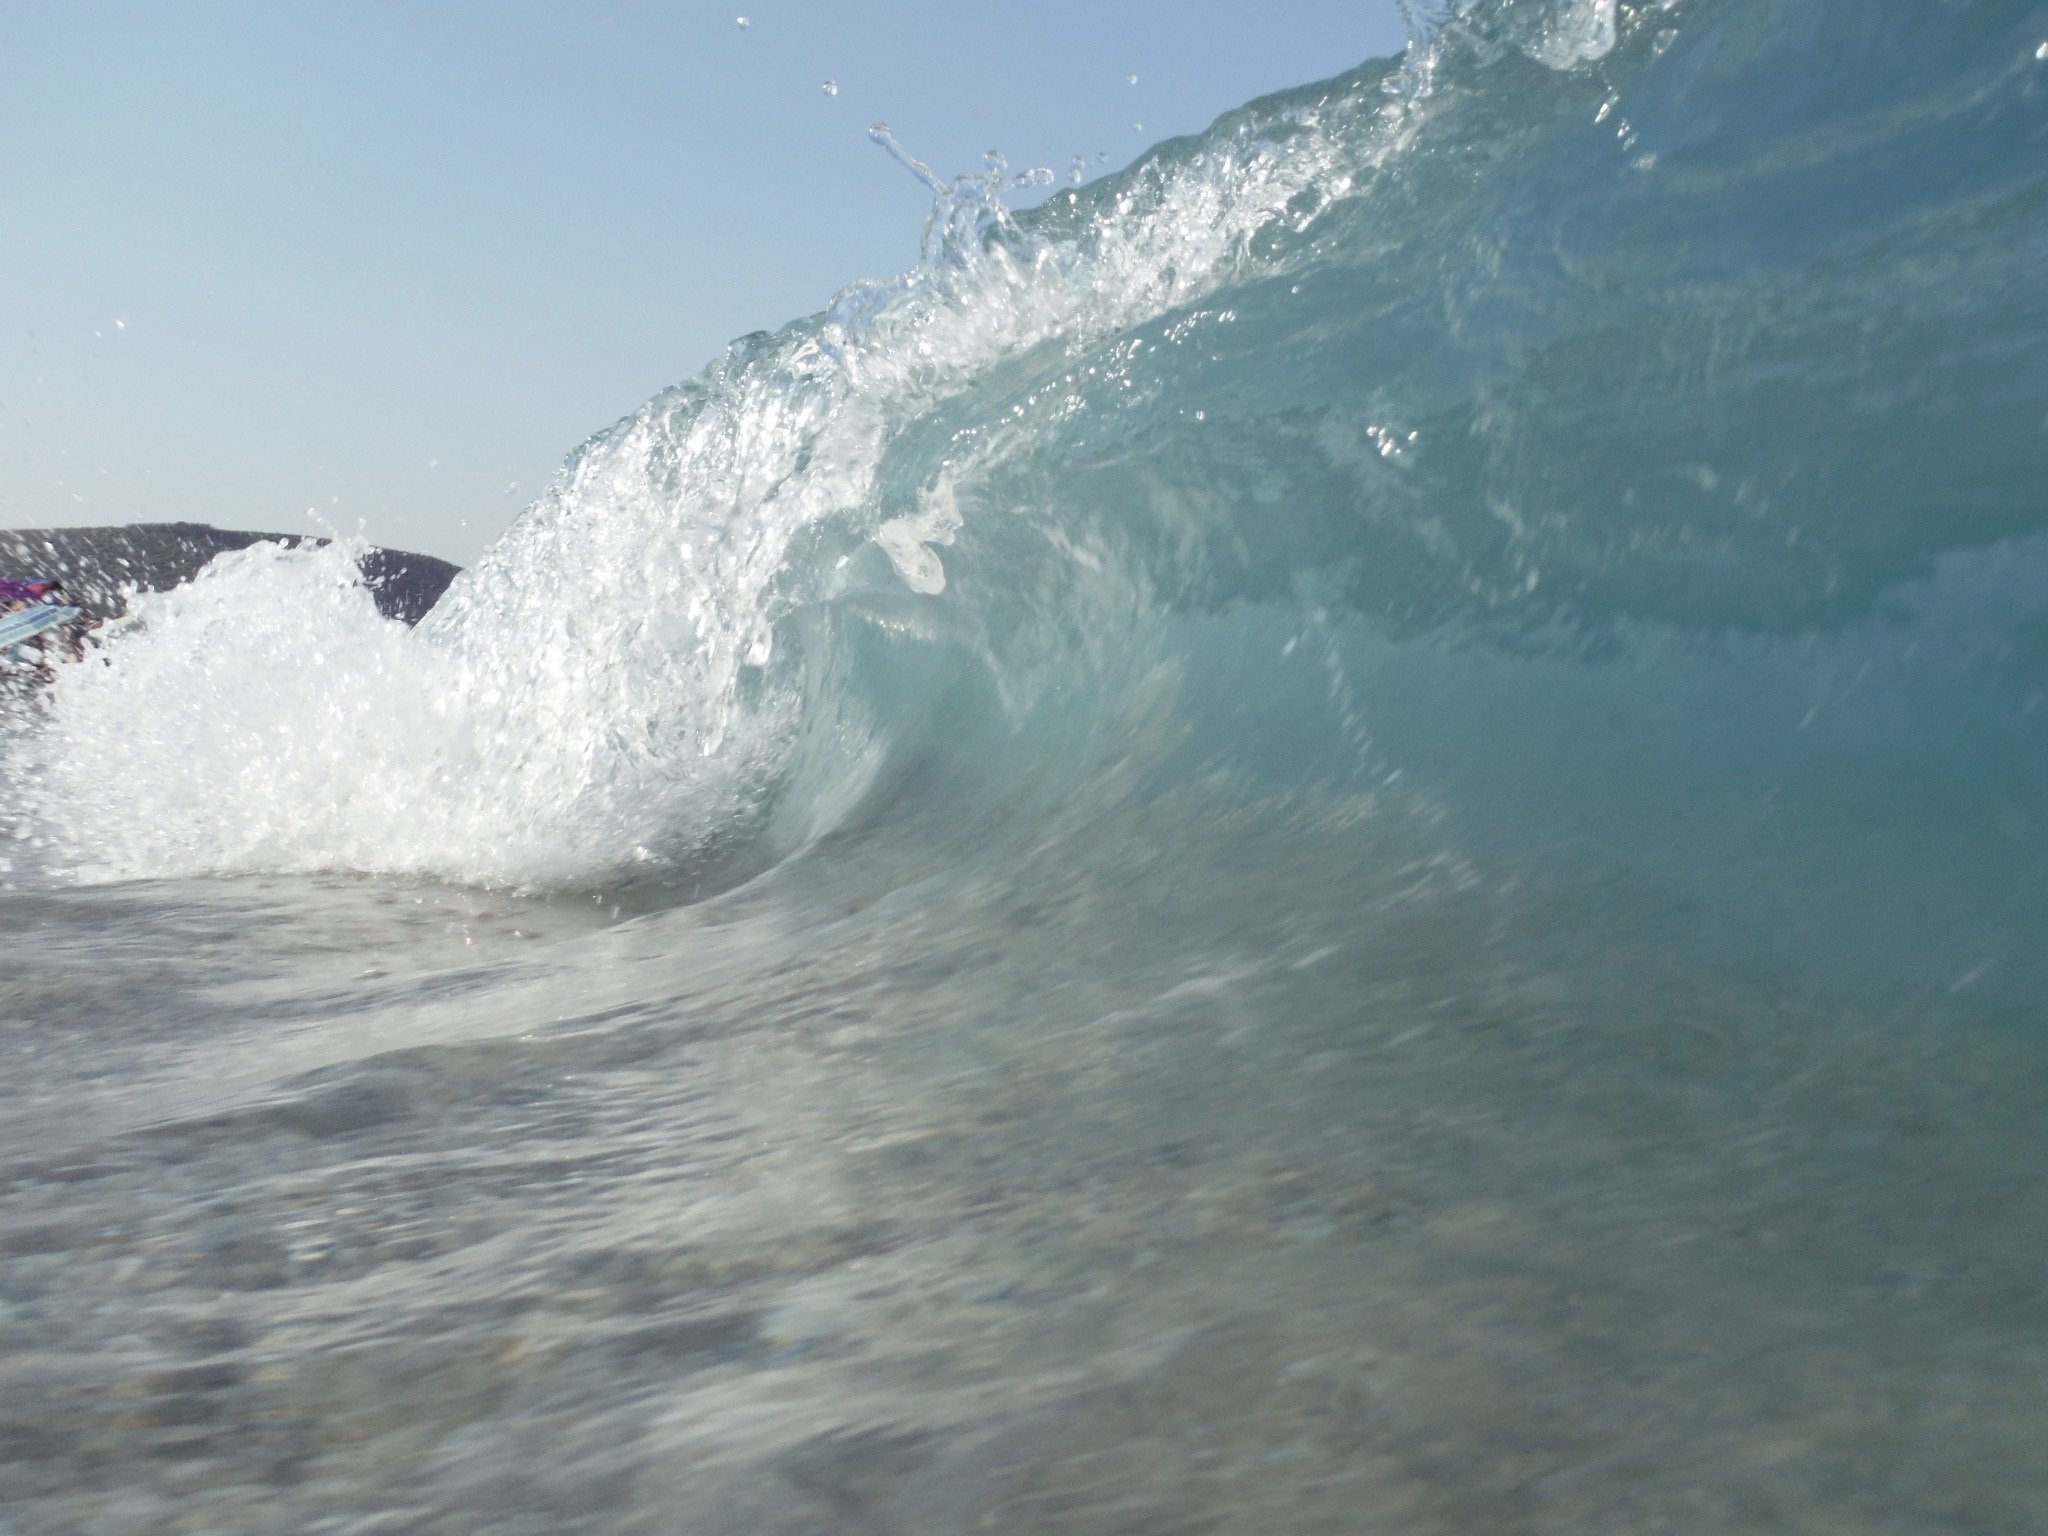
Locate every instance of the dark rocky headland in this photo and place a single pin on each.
(96, 565)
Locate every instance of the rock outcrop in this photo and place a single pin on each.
(96, 564)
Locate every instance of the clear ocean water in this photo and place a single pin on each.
(1349, 834)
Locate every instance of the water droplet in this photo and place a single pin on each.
(2041, 53)
(1077, 171)
(744, 23)
(830, 87)
(1130, 79)
(1137, 127)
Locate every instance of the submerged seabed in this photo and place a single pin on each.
(1346, 835)
(1097, 1193)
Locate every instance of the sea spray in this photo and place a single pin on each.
(603, 690)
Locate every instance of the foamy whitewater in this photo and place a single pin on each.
(1349, 833)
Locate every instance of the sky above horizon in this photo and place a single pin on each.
(384, 266)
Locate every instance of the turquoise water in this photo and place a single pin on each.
(1344, 834)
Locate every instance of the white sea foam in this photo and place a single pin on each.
(604, 688)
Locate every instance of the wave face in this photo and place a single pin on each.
(1606, 411)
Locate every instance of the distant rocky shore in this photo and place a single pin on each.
(96, 564)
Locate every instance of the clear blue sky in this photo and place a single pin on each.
(394, 261)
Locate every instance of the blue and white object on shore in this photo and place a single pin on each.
(26, 623)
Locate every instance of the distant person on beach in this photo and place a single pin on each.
(17, 595)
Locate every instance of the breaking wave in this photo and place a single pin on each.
(1601, 391)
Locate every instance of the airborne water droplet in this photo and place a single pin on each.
(744, 23)
(830, 87)
(1130, 79)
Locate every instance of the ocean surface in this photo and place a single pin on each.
(1346, 834)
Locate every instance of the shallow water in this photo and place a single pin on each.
(1064, 1199)
(1348, 836)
